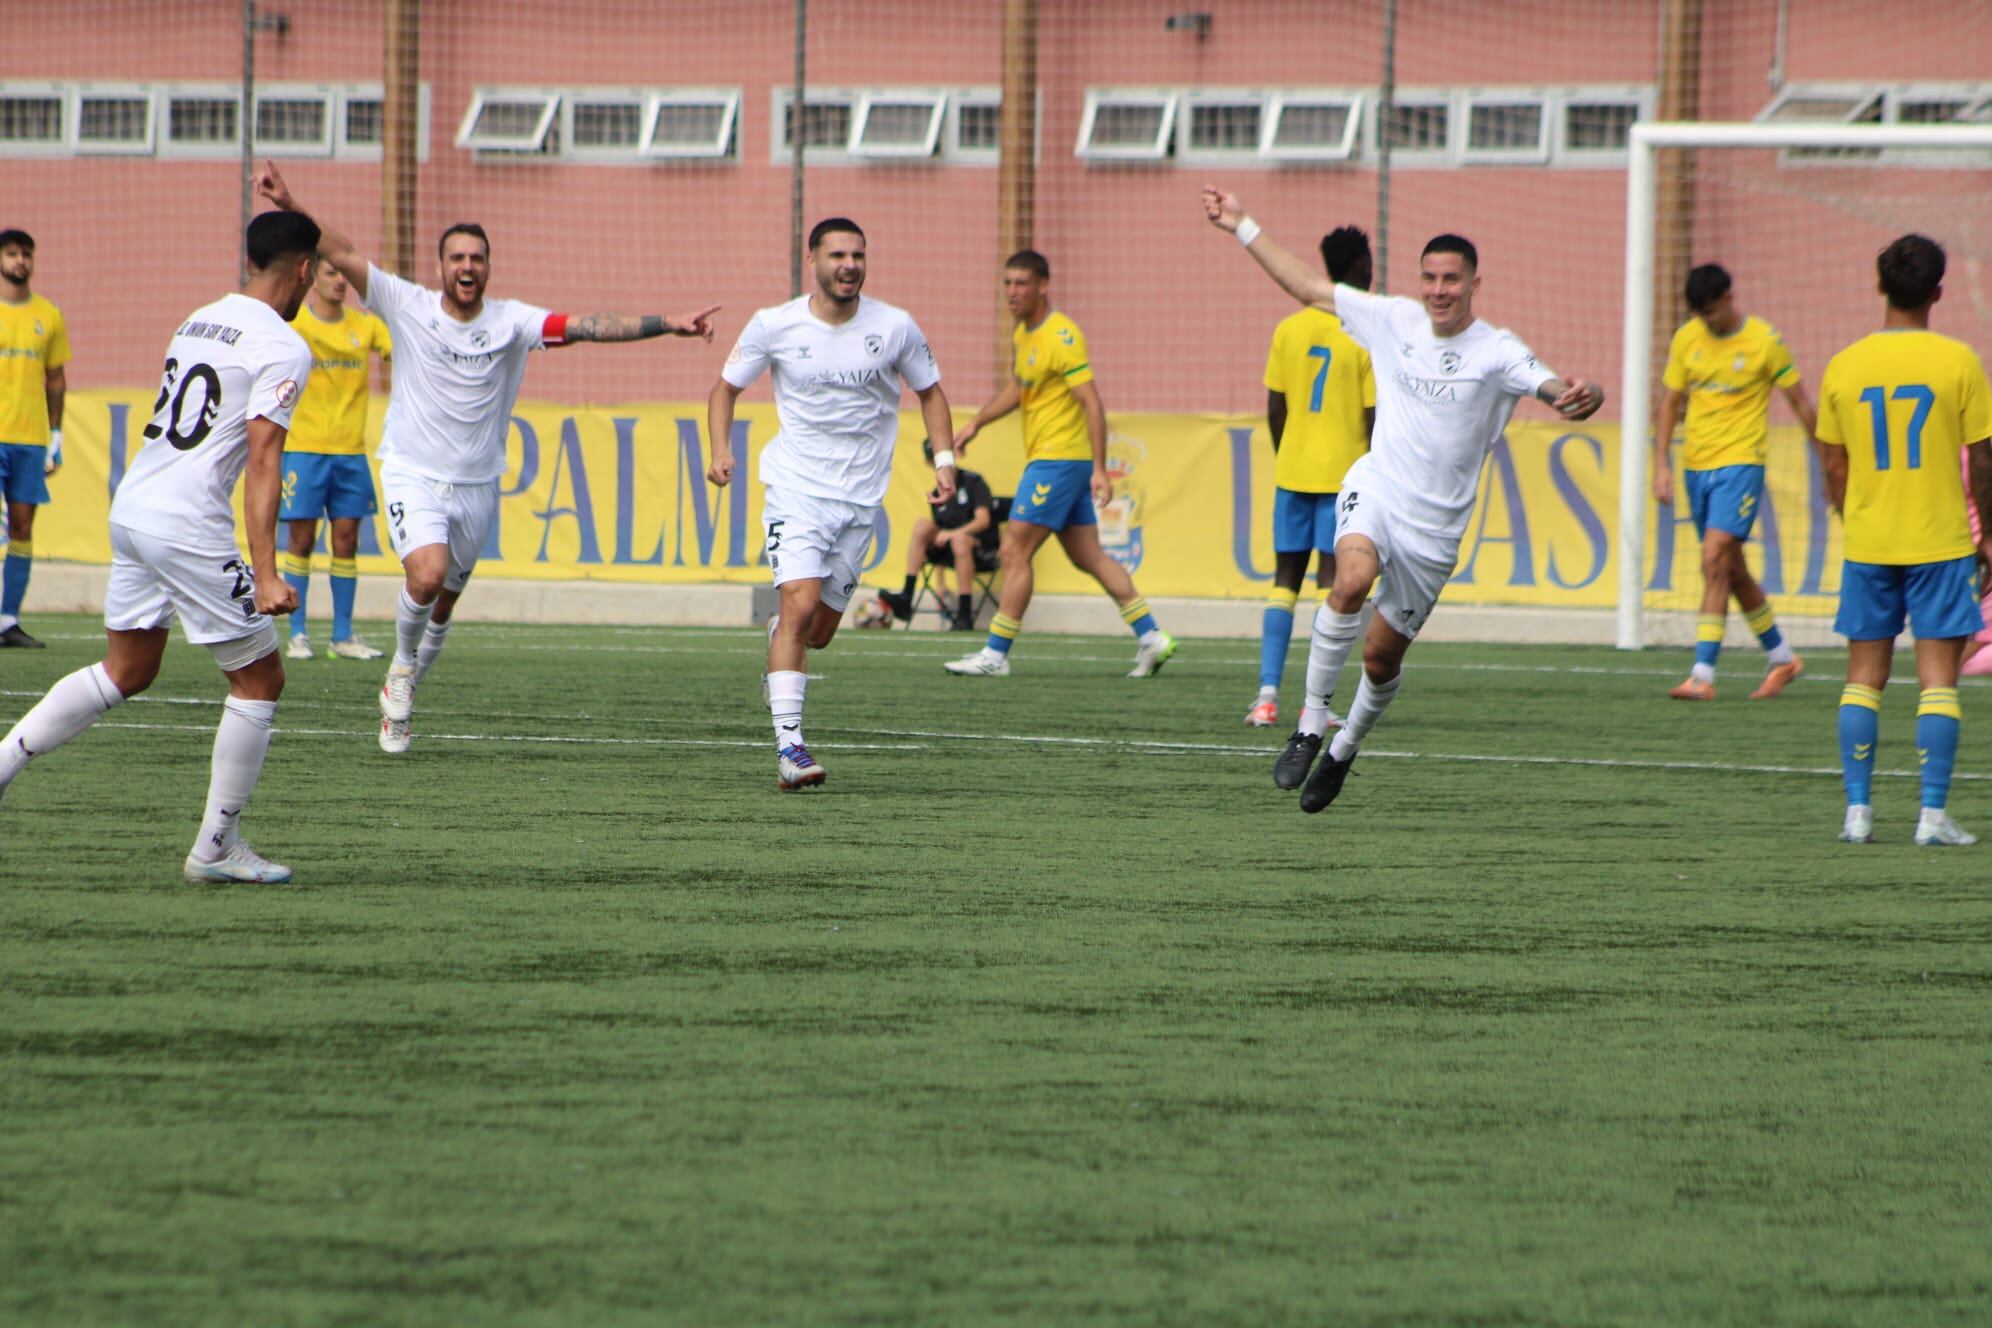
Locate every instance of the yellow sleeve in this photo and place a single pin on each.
(58, 342)
(1976, 411)
(1675, 378)
(1369, 378)
(1276, 361)
(1073, 364)
(1829, 430)
(383, 340)
(1777, 360)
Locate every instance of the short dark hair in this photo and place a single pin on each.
(1031, 261)
(1342, 249)
(1911, 269)
(832, 226)
(19, 238)
(1453, 244)
(463, 228)
(274, 236)
(1706, 284)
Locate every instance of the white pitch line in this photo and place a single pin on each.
(550, 738)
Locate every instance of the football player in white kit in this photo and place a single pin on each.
(460, 360)
(233, 374)
(840, 361)
(1446, 384)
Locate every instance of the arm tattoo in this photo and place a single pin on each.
(1551, 390)
(615, 327)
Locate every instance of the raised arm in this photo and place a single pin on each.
(1007, 399)
(1573, 399)
(934, 413)
(1293, 276)
(641, 327)
(333, 246)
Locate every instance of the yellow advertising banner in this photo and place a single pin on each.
(618, 493)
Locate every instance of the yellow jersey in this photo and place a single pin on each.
(1327, 381)
(1051, 361)
(331, 416)
(1902, 403)
(1728, 381)
(33, 343)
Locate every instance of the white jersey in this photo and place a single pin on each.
(1441, 402)
(836, 393)
(454, 383)
(231, 362)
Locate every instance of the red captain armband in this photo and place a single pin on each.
(554, 330)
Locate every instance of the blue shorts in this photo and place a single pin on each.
(24, 473)
(320, 484)
(1725, 498)
(1303, 521)
(1939, 599)
(1055, 494)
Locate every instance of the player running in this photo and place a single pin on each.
(325, 461)
(1446, 385)
(1065, 472)
(1724, 366)
(1895, 407)
(840, 360)
(462, 358)
(34, 347)
(233, 374)
(1320, 408)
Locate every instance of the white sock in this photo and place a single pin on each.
(410, 621)
(72, 705)
(433, 636)
(8, 620)
(785, 688)
(240, 744)
(1702, 672)
(1269, 693)
(1781, 653)
(1330, 640)
(1371, 698)
(1152, 634)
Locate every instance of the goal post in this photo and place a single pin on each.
(1866, 142)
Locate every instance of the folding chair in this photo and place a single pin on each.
(987, 569)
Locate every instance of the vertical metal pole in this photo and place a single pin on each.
(796, 104)
(1016, 167)
(1635, 388)
(400, 111)
(246, 122)
(1386, 94)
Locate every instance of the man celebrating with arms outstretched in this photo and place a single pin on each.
(1446, 384)
(459, 361)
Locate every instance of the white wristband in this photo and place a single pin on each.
(944, 457)
(1248, 231)
(55, 439)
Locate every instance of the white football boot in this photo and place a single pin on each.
(240, 863)
(299, 647)
(354, 648)
(984, 663)
(1936, 828)
(397, 694)
(1154, 652)
(1859, 827)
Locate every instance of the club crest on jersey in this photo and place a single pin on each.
(1449, 361)
(38, 328)
(874, 343)
(287, 393)
(354, 338)
(480, 338)
(1736, 365)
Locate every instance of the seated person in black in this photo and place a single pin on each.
(950, 537)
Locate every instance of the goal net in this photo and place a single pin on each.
(1796, 215)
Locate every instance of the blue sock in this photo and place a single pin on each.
(1938, 720)
(1708, 639)
(1003, 633)
(1276, 635)
(297, 574)
(1860, 731)
(14, 578)
(345, 582)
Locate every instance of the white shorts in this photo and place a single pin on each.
(1415, 564)
(208, 587)
(422, 511)
(818, 539)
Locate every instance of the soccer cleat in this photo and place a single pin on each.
(16, 639)
(299, 647)
(1152, 655)
(900, 604)
(1325, 783)
(240, 863)
(796, 769)
(1694, 689)
(397, 694)
(1262, 715)
(1292, 767)
(394, 736)
(1777, 677)
(963, 621)
(1859, 825)
(984, 663)
(352, 648)
(1936, 828)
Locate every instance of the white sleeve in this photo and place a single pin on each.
(1363, 315)
(916, 358)
(279, 382)
(1520, 373)
(530, 320)
(390, 296)
(749, 358)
